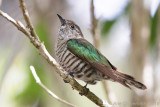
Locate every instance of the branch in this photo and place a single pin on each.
(27, 18)
(18, 24)
(38, 81)
(43, 52)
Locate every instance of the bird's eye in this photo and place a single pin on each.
(72, 27)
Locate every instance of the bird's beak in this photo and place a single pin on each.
(63, 21)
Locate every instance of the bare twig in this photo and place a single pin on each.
(18, 24)
(38, 81)
(27, 18)
(94, 25)
(96, 39)
(43, 52)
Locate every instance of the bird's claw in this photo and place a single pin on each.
(71, 74)
(66, 80)
(85, 92)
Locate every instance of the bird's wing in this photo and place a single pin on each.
(88, 53)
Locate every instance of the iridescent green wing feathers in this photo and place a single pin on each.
(86, 51)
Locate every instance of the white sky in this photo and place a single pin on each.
(154, 6)
(107, 9)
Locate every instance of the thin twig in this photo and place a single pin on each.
(27, 18)
(96, 40)
(38, 81)
(94, 25)
(18, 24)
(43, 52)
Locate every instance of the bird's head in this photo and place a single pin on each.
(69, 29)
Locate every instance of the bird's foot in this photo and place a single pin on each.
(85, 91)
(71, 74)
(66, 81)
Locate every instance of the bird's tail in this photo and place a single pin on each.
(128, 81)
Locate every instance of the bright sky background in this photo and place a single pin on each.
(108, 9)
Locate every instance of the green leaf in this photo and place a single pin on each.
(107, 26)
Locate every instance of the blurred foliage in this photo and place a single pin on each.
(107, 25)
(153, 25)
(42, 30)
(33, 92)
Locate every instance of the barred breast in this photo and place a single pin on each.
(81, 69)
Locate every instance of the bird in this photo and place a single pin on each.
(80, 59)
